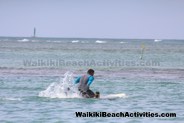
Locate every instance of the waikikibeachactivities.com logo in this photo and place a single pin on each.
(89, 63)
(124, 114)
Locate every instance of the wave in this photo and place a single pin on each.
(75, 41)
(11, 99)
(99, 41)
(84, 41)
(53, 41)
(57, 41)
(48, 41)
(157, 40)
(34, 40)
(23, 40)
(122, 42)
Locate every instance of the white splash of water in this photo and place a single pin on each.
(63, 89)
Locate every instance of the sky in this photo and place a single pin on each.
(140, 19)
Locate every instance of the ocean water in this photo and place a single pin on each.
(149, 72)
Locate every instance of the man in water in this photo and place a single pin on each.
(84, 83)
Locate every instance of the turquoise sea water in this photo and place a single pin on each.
(148, 88)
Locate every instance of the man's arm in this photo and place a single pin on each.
(77, 80)
(90, 80)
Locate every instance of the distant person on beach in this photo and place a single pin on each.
(84, 84)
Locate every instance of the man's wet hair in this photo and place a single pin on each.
(90, 71)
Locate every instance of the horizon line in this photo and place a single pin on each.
(90, 38)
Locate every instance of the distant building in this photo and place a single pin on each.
(34, 33)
